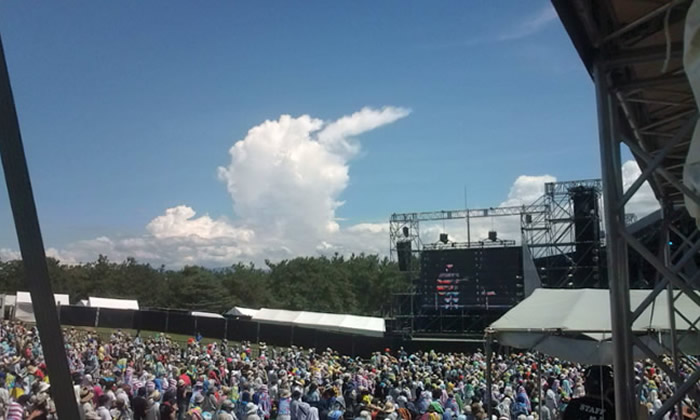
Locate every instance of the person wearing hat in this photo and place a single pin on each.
(388, 412)
(195, 413)
(86, 409)
(121, 410)
(251, 412)
(284, 405)
(153, 409)
(226, 411)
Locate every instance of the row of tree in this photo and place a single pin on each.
(360, 284)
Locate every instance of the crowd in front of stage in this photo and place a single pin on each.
(156, 378)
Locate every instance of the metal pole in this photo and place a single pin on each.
(667, 213)
(489, 379)
(31, 245)
(616, 249)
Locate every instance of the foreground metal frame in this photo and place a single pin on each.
(620, 242)
(31, 245)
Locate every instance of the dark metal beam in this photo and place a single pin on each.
(641, 20)
(651, 82)
(645, 54)
(618, 274)
(31, 245)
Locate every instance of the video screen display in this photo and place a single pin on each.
(454, 279)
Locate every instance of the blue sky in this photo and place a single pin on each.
(128, 108)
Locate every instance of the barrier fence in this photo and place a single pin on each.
(231, 328)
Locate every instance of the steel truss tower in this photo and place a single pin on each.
(557, 239)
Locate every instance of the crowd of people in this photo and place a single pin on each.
(156, 378)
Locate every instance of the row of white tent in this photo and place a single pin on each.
(24, 309)
(342, 323)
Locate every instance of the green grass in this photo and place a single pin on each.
(105, 333)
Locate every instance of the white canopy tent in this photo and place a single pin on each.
(349, 324)
(24, 309)
(241, 311)
(574, 324)
(206, 315)
(98, 302)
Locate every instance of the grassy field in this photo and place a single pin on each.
(104, 333)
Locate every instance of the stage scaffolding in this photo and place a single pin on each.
(406, 227)
(633, 52)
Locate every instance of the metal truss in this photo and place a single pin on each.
(552, 237)
(405, 227)
(670, 127)
(498, 243)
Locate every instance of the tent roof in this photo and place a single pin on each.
(25, 297)
(241, 311)
(206, 314)
(98, 302)
(575, 323)
(349, 324)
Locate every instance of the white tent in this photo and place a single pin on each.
(10, 300)
(24, 310)
(241, 311)
(574, 324)
(206, 315)
(97, 302)
(349, 324)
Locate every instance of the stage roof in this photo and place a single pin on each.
(639, 38)
(97, 302)
(574, 324)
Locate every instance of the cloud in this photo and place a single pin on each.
(286, 176)
(285, 179)
(179, 222)
(526, 189)
(643, 201)
(507, 31)
(266, 172)
(530, 25)
(7, 254)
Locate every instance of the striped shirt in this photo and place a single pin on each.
(15, 411)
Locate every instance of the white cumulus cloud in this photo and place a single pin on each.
(179, 222)
(286, 176)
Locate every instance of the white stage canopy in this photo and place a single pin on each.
(349, 324)
(24, 310)
(574, 324)
(98, 302)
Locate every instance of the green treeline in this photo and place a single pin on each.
(361, 284)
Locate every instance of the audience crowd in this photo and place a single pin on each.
(156, 378)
